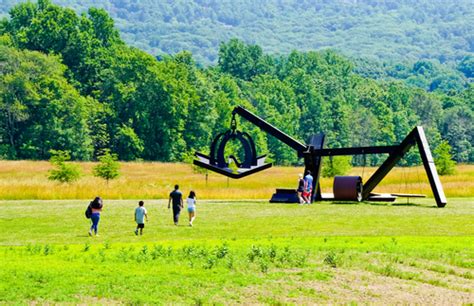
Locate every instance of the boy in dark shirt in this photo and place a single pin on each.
(177, 198)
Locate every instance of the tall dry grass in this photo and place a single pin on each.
(152, 180)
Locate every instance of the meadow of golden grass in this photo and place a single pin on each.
(153, 180)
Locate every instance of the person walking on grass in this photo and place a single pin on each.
(191, 201)
(300, 189)
(177, 198)
(96, 208)
(140, 216)
(308, 187)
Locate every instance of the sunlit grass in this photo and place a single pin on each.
(152, 180)
(241, 252)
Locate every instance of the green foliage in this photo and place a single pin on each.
(383, 30)
(69, 82)
(430, 75)
(129, 146)
(337, 165)
(64, 172)
(40, 111)
(243, 61)
(108, 167)
(443, 159)
(466, 66)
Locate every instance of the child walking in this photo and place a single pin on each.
(140, 215)
(191, 201)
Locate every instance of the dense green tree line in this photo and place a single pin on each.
(68, 82)
(426, 74)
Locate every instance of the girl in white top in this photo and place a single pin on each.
(191, 201)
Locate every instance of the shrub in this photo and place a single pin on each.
(338, 165)
(108, 167)
(63, 172)
(443, 159)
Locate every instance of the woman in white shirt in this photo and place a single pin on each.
(191, 201)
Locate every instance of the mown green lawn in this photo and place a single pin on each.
(239, 252)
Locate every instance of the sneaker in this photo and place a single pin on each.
(136, 232)
(191, 224)
(90, 233)
(97, 235)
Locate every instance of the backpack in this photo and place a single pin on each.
(88, 212)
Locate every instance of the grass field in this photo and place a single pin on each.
(28, 180)
(239, 252)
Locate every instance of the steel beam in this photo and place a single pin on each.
(355, 151)
(416, 137)
(430, 167)
(313, 163)
(270, 129)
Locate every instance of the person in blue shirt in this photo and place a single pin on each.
(308, 187)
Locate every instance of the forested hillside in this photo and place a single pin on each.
(398, 30)
(69, 82)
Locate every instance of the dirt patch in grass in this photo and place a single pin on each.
(347, 286)
(433, 273)
(90, 300)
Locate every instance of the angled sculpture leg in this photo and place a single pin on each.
(430, 167)
(313, 163)
(416, 137)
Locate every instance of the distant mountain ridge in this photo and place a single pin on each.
(390, 30)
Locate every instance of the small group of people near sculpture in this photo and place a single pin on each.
(175, 201)
(305, 188)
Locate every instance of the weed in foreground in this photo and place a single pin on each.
(331, 259)
(222, 251)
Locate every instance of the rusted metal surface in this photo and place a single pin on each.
(347, 188)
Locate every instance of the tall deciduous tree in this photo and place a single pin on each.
(40, 111)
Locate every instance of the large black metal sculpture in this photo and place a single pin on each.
(217, 162)
(345, 188)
